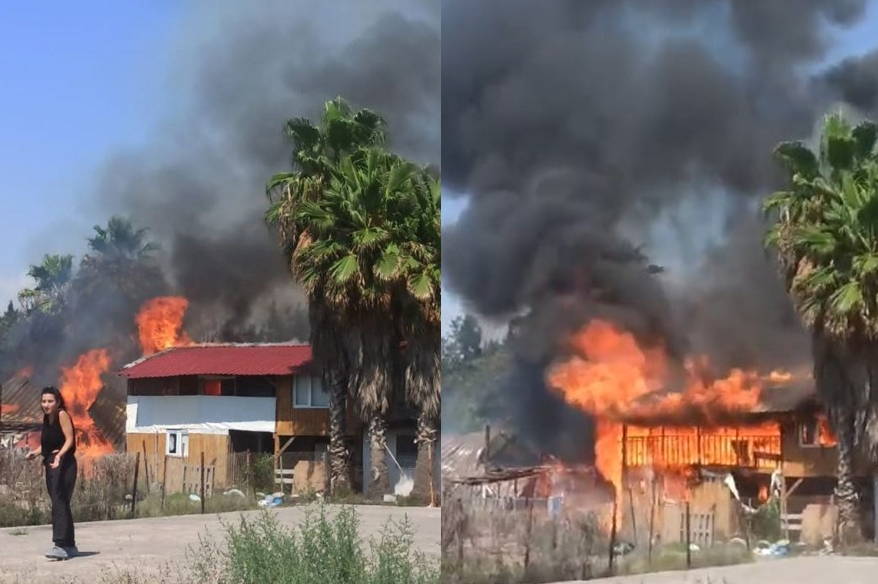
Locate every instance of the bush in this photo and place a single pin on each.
(322, 549)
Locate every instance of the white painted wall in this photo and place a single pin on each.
(202, 414)
(401, 482)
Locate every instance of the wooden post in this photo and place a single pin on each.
(146, 468)
(134, 490)
(528, 538)
(430, 447)
(875, 503)
(688, 537)
(248, 473)
(487, 455)
(202, 482)
(624, 486)
(633, 518)
(613, 532)
(651, 520)
(782, 516)
(164, 480)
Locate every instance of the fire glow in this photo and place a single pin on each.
(625, 387)
(80, 385)
(160, 324)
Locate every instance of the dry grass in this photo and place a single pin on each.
(481, 546)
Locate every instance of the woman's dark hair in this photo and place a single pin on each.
(50, 390)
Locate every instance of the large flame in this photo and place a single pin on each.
(8, 408)
(80, 385)
(621, 383)
(160, 324)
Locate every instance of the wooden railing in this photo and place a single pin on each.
(720, 450)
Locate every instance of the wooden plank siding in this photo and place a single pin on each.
(292, 421)
(216, 453)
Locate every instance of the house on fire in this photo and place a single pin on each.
(785, 435)
(222, 399)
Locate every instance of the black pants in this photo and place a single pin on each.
(60, 482)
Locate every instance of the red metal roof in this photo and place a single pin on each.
(222, 359)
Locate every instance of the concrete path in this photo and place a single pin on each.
(145, 546)
(802, 570)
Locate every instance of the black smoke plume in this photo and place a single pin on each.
(595, 139)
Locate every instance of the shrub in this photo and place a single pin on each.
(322, 549)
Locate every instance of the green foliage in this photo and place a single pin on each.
(321, 549)
(473, 372)
(825, 229)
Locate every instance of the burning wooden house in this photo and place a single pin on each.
(670, 436)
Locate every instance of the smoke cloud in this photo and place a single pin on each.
(243, 69)
(597, 138)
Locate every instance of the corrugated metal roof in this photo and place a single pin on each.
(222, 359)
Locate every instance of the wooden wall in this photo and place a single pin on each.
(293, 421)
(805, 461)
(215, 448)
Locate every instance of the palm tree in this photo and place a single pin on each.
(825, 234)
(365, 256)
(51, 276)
(317, 150)
(420, 310)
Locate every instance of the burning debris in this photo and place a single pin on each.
(80, 386)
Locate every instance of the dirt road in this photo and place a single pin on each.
(144, 546)
(803, 570)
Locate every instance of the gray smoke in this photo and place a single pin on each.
(587, 133)
(243, 69)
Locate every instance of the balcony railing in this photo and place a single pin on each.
(708, 450)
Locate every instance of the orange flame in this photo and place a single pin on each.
(825, 435)
(24, 372)
(160, 324)
(615, 379)
(8, 408)
(763, 493)
(80, 386)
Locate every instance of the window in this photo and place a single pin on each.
(808, 433)
(177, 443)
(218, 386)
(309, 393)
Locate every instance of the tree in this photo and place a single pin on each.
(51, 276)
(373, 260)
(119, 272)
(317, 151)
(419, 309)
(825, 233)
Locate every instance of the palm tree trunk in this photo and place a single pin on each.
(424, 487)
(846, 377)
(379, 482)
(849, 524)
(339, 457)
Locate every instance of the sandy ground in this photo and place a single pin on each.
(146, 545)
(803, 570)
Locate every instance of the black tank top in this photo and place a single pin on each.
(52, 438)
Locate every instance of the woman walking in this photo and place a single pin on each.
(58, 446)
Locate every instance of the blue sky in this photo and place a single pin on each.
(80, 80)
(852, 41)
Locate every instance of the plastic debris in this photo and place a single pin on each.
(194, 497)
(777, 549)
(274, 500)
(390, 498)
(235, 492)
